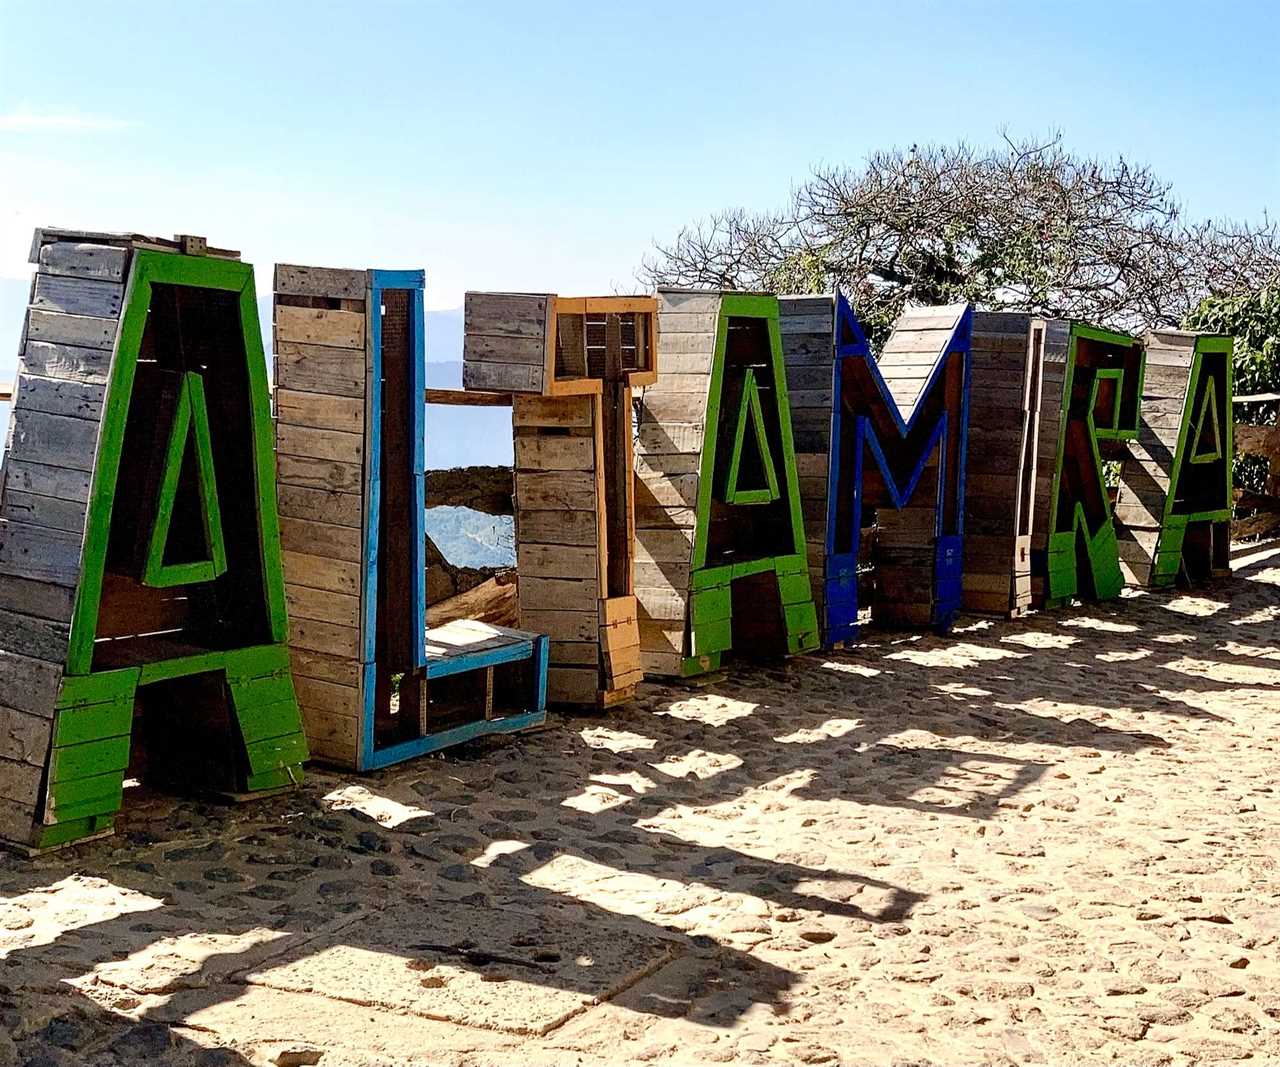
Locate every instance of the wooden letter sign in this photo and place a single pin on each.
(1091, 394)
(141, 597)
(896, 460)
(1173, 510)
(720, 547)
(571, 364)
(375, 685)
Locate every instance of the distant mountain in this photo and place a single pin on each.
(470, 538)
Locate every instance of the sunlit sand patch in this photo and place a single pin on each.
(496, 850)
(1040, 639)
(1132, 592)
(1244, 706)
(1124, 657)
(829, 729)
(41, 916)
(1235, 648)
(596, 798)
(1173, 639)
(860, 669)
(1271, 613)
(1269, 574)
(633, 780)
(615, 740)
(959, 689)
(1233, 673)
(1092, 622)
(180, 962)
(382, 810)
(699, 763)
(1064, 709)
(1195, 605)
(709, 709)
(976, 626)
(957, 655)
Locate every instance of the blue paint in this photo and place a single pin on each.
(418, 746)
(841, 564)
(460, 663)
(534, 649)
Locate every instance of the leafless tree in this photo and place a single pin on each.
(1026, 226)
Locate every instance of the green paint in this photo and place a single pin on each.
(751, 415)
(77, 725)
(95, 710)
(710, 601)
(89, 759)
(190, 423)
(1098, 544)
(1191, 450)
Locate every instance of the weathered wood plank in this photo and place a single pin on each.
(40, 478)
(77, 259)
(557, 527)
(325, 667)
(66, 362)
(77, 296)
(319, 473)
(321, 572)
(322, 605)
(78, 400)
(320, 538)
(320, 369)
(506, 314)
(56, 440)
(562, 411)
(502, 377)
(39, 553)
(556, 561)
(41, 599)
(317, 326)
(325, 637)
(29, 684)
(82, 330)
(319, 444)
(26, 635)
(556, 594)
(556, 490)
(336, 282)
(536, 452)
(320, 505)
(50, 511)
(320, 411)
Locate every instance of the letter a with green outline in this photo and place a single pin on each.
(169, 625)
(190, 426)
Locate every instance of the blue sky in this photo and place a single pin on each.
(546, 146)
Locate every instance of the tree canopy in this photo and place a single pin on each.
(1023, 226)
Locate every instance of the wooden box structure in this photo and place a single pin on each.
(142, 610)
(720, 543)
(1173, 509)
(375, 686)
(807, 326)
(1000, 477)
(570, 365)
(1090, 399)
(896, 457)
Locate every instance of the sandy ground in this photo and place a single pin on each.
(1051, 841)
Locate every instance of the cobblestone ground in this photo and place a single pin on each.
(1049, 841)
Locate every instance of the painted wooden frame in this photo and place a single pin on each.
(1092, 385)
(702, 541)
(1007, 363)
(91, 307)
(1173, 507)
(574, 496)
(912, 403)
(351, 381)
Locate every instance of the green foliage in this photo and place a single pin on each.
(1253, 319)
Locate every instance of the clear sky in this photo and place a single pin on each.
(545, 146)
